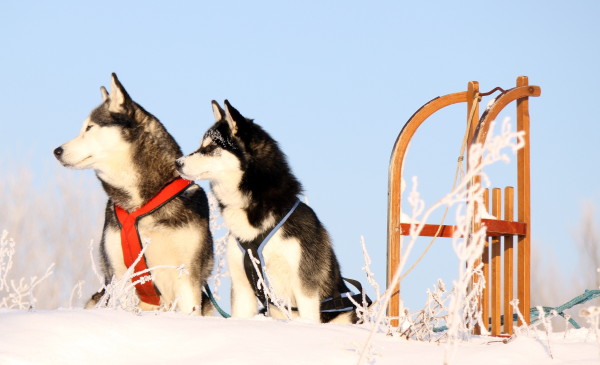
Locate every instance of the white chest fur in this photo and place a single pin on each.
(234, 214)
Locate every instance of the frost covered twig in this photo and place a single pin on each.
(76, 291)
(518, 330)
(16, 293)
(367, 268)
(217, 227)
(547, 324)
(97, 273)
(364, 312)
(592, 316)
(7, 251)
(427, 323)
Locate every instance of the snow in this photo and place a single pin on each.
(109, 336)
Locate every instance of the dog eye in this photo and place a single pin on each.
(88, 127)
(209, 149)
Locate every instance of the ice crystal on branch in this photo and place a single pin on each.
(17, 294)
(220, 238)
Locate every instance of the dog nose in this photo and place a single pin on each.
(58, 152)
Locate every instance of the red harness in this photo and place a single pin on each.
(130, 237)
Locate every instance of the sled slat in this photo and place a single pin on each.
(430, 230)
(496, 267)
(495, 227)
(524, 199)
(508, 261)
(485, 259)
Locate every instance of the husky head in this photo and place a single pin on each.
(124, 144)
(222, 152)
(237, 150)
(100, 138)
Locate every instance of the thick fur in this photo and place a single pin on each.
(134, 156)
(255, 187)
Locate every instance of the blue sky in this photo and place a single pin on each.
(333, 82)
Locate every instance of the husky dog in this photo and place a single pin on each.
(134, 156)
(255, 188)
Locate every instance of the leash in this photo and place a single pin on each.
(131, 244)
(329, 305)
(210, 296)
(560, 310)
(343, 302)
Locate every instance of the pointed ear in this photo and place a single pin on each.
(104, 93)
(218, 112)
(231, 114)
(119, 99)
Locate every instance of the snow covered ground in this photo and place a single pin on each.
(108, 336)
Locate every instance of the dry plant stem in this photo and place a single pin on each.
(97, 273)
(422, 328)
(515, 305)
(7, 250)
(592, 317)
(545, 321)
(76, 291)
(567, 325)
(220, 245)
(365, 312)
(16, 293)
(367, 268)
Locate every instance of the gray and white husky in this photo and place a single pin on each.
(134, 156)
(256, 189)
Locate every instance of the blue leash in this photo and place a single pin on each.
(210, 296)
(587, 295)
(560, 310)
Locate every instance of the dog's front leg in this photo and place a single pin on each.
(309, 306)
(243, 300)
(189, 298)
(93, 301)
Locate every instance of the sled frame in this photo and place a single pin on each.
(501, 233)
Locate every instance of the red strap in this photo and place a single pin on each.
(130, 239)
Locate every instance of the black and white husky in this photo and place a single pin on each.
(257, 191)
(134, 156)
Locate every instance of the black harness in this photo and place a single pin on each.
(340, 302)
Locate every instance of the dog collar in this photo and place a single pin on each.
(131, 243)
